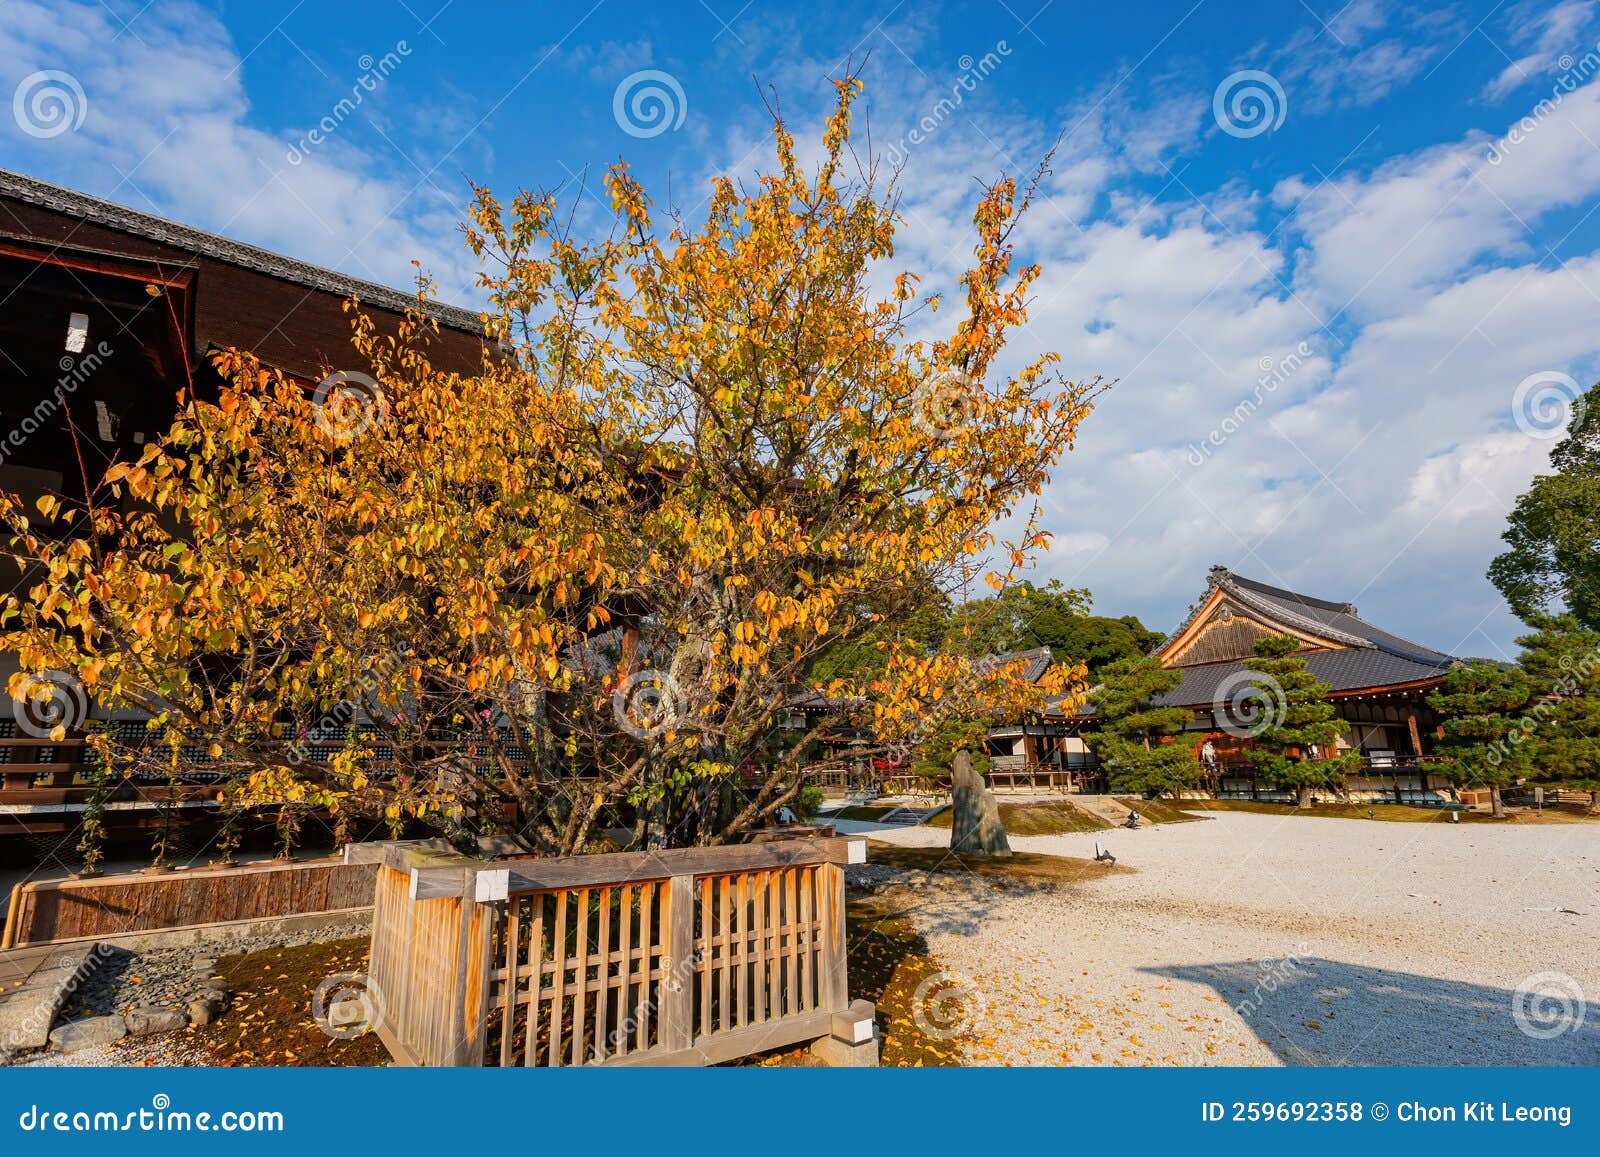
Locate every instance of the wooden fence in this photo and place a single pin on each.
(45, 910)
(683, 957)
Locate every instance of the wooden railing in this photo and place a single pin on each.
(25, 761)
(1399, 779)
(684, 957)
(1044, 777)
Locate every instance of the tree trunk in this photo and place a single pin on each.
(1305, 796)
(1497, 808)
(975, 826)
(1594, 802)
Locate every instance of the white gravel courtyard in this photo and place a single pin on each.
(1255, 939)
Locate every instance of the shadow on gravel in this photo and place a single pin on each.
(1312, 1011)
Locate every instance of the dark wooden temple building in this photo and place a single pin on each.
(105, 314)
(1377, 680)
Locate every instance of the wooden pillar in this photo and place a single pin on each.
(834, 965)
(476, 947)
(677, 983)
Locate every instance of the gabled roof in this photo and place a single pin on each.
(1337, 622)
(1321, 617)
(1360, 656)
(110, 215)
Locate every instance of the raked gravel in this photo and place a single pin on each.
(1260, 940)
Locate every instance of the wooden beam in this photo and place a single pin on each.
(734, 1043)
(531, 875)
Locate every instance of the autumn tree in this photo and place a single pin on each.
(575, 591)
(1292, 715)
(1481, 707)
(1143, 745)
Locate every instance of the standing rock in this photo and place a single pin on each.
(975, 826)
(202, 1012)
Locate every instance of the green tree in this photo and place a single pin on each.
(1481, 705)
(1143, 745)
(921, 629)
(1024, 616)
(1294, 716)
(1552, 562)
(1561, 728)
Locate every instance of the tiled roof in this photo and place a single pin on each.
(1326, 618)
(1338, 622)
(196, 241)
(1345, 669)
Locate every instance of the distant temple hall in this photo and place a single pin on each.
(1378, 681)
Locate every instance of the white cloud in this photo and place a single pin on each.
(1360, 54)
(169, 130)
(1549, 33)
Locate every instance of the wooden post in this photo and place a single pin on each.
(474, 948)
(834, 970)
(1416, 734)
(677, 967)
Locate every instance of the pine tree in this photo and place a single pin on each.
(1295, 716)
(1482, 705)
(1561, 662)
(1144, 746)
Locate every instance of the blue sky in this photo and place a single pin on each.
(1342, 334)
